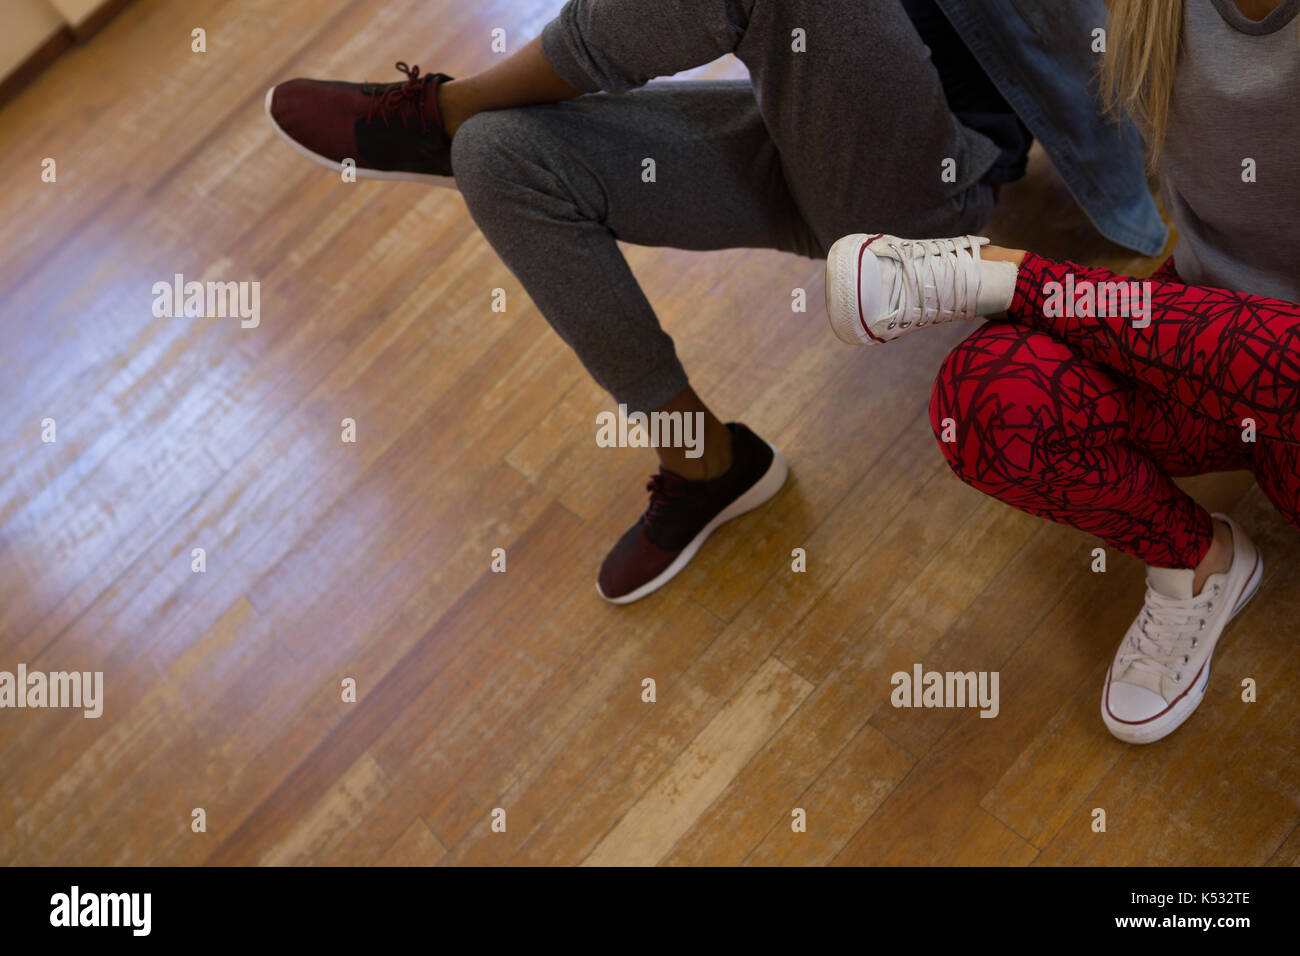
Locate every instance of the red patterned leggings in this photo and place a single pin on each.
(1085, 420)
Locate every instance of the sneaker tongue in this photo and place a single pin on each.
(1172, 582)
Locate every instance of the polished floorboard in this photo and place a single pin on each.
(371, 561)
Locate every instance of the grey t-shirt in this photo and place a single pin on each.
(1236, 98)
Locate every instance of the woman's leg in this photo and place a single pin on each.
(1227, 356)
(1024, 418)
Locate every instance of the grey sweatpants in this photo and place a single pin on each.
(848, 135)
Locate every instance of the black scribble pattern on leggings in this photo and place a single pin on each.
(1085, 421)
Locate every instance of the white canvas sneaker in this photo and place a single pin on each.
(880, 286)
(1162, 667)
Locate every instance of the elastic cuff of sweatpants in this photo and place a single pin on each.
(652, 392)
(561, 45)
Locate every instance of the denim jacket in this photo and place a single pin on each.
(1039, 55)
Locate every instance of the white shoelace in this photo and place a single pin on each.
(1166, 630)
(954, 260)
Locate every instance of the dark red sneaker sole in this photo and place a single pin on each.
(761, 491)
(427, 178)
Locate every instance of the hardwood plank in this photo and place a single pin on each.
(415, 847)
(520, 690)
(752, 823)
(663, 815)
(360, 789)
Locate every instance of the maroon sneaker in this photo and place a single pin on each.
(683, 513)
(390, 130)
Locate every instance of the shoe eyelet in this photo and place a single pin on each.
(1186, 659)
(1195, 641)
(1202, 625)
(1178, 678)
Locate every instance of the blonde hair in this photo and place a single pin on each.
(1143, 42)
(1137, 72)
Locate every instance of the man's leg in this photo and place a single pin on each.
(839, 87)
(810, 153)
(814, 154)
(847, 91)
(555, 187)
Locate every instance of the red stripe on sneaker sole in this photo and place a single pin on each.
(862, 320)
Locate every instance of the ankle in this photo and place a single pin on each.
(1217, 560)
(452, 104)
(714, 460)
(1001, 254)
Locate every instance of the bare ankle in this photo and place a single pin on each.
(1218, 559)
(707, 454)
(1000, 254)
(714, 459)
(453, 106)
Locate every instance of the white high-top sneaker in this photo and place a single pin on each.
(1162, 667)
(880, 286)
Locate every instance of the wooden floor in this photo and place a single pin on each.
(370, 561)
